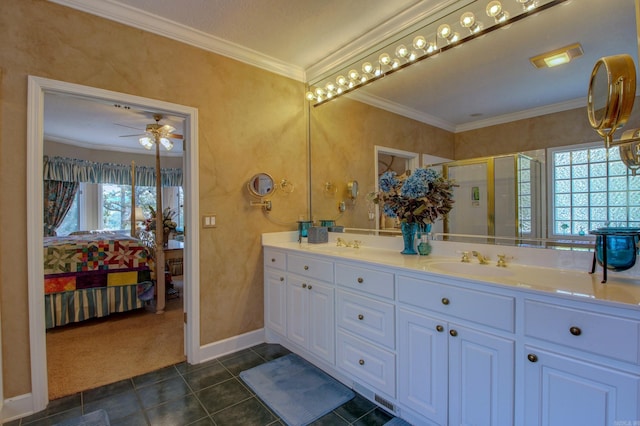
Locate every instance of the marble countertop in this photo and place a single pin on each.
(578, 284)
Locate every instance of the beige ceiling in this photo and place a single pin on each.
(486, 81)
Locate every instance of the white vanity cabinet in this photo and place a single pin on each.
(310, 307)
(456, 363)
(582, 365)
(275, 291)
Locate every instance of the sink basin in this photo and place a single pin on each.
(471, 269)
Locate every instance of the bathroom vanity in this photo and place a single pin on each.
(440, 342)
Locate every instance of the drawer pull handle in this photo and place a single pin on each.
(453, 333)
(306, 268)
(304, 285)
(360, 280)
(532, 357)
(360, 317)
(361, 362)
(439, 328)
(575, 331)
(281, 278)
(273, 259)
(445, 301)
(309, 287)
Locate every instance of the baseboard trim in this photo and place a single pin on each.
(230, 345)
(16, 407)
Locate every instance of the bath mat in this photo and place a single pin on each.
(297, 391)
(95, 418)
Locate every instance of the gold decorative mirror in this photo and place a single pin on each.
(261, 185)
(612, 90)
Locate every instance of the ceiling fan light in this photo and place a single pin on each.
(146, 142)
(166, 143)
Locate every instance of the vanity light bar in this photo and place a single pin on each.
(423, 48)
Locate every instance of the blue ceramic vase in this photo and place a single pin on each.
(409, 237)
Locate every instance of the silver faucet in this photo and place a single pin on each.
(483, 260)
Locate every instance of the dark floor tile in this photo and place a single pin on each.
(181, 411)
(203, 422)
(201, 379)
(164, 391)
(271, 351)
(56, 406)
(376, 417)
(155, 376)
(135, 419)
(248, 359)
(117, 406)
(12, 423)
(331, 419)
(223, 395)
(247, 413)
(107, 391)
(54, 419)
(355, 408)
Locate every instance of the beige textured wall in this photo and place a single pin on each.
(343, 135)
(250, 120)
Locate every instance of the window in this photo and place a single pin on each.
(71, 221)
(591, 188)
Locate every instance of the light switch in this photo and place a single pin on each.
(209, 220)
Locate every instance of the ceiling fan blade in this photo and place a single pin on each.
(130, 136)
(175, 136)
(128, 127)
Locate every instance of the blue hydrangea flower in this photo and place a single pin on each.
(389, 212)
(419, 183)
(388, 181)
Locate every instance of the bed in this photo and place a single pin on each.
(93, 275)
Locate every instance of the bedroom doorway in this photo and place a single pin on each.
(38, 88)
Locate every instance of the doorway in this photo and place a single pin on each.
(38, 87)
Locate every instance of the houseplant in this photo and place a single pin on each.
(416, 199)
(168, 223)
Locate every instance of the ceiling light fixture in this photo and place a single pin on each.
(557, 57)
(442, 27)
(155, 134)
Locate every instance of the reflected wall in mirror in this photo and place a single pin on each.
(343, 132)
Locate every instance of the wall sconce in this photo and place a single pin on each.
(379, 63)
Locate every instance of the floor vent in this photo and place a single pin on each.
(380, 400)
(373, 397)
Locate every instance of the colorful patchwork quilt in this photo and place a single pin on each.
(79, 268)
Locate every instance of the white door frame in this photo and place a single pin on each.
(35, 218)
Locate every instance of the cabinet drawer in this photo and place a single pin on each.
(371, 319)
(490, 309)
(275, 259)
(368, 280)
(310, 267)
(588, 331)
(367, 363)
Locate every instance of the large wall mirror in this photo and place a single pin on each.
(483, 99)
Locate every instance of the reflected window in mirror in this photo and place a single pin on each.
(591, 188)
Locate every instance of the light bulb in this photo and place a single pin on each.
(402, 51)
(341, 80)
(384, 59)
(310, 96)
(468, 20)
(330, 87)
(431, 47)
(319, 92)
(367, 68)
(494, 10)
(419, 42)
(527, 5)
(146, 142)
(166, 143)
(444, 31)
(354, 75)
(395, 63)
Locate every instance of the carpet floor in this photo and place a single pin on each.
(106, 350)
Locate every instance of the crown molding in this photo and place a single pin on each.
(522, 115)
(137, 18)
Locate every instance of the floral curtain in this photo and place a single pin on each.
(58, 198)
(74, 170)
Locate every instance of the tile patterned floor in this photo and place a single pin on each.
(210, 393)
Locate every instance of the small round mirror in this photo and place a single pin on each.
(612, 90)
(261, 185)
(352, 189)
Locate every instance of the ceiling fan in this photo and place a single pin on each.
(156, 133)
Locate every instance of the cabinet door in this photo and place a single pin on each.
(560, 391)
(275, 301)
(297, 312)
(422, 365)
(321, 321)
(481, 378)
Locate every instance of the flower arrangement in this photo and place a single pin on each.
(167, 220)
(422, 197)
